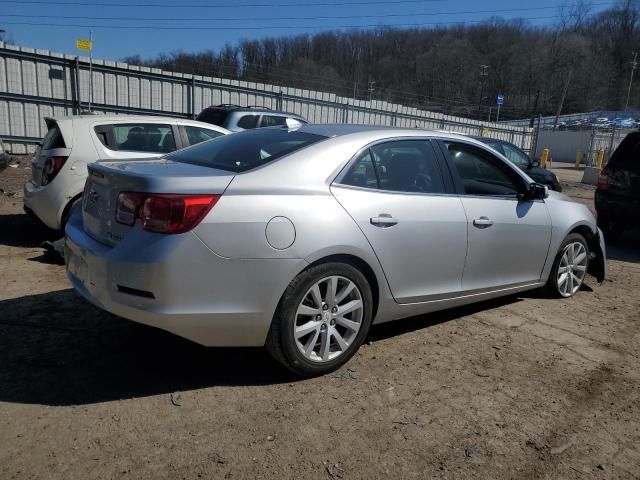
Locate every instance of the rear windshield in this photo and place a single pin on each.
(53, 139)
(246, 150)
(627, 155)
(215, 116)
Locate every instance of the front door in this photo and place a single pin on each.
(508, 237)
(396, 194)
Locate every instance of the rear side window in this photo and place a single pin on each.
(627, 155)
(246, 150)
(214, 116)
(248, 122)
(197, 135)
(137, 137)
(397, 166)
(362, 172)
(53, 139)
(273, 121)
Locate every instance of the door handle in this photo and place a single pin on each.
(482, 222)
(383, 220)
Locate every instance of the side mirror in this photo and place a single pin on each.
(535, 162)
(538, 191)
(535, 191)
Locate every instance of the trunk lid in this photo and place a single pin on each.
(107, 180)
(56, 143)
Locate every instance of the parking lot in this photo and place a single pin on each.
(520, 387)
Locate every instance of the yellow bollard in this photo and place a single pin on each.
(544, 157)
(578, 157)
(600, 158)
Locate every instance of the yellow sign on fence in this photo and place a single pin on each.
(84, 44)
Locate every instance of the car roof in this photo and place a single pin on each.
(342, 130)
(256, 109)
(90, 118)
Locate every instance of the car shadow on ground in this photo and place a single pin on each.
(57, 349)
(20, 230)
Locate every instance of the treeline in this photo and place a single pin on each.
(583, 63)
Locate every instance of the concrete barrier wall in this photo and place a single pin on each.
(39, 83)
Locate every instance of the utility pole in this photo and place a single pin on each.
(371, 89)
(535, 110)
(634, 65)
(564, 95)
(484, 73)
(90, 70)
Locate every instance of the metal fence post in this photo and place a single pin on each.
(588, 161)
(193, 98)
(76, 87)
(613, 136)
(536, 133)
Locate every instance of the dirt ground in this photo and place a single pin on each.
(521, 387)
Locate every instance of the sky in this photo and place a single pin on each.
(156, 26)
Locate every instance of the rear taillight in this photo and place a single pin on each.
(52, 165)
(164, 212)
(603, 179)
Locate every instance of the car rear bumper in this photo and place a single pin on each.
(175, 283)
(45, 202)
(618, 206)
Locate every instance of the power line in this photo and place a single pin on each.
(234, 5)
(262, 18)
(274, 27)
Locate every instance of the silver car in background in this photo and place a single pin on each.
(301, 238)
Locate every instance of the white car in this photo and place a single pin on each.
(59, 165)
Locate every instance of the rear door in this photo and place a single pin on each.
(136, 139)
(400, 199)
(508, 237)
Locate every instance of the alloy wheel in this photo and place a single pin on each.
(572, 269)
(328, 318)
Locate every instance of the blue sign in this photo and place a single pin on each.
(500, 100)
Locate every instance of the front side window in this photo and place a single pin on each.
(143, 137)
(246, 150)
(197, 134)
(480, 173)
(516, 156)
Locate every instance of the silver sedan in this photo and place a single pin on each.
(301, 238)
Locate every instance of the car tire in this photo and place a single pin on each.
(569, 267)
(68, 210)
(610, 227)
(314, 332)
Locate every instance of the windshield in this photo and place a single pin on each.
(246, 150)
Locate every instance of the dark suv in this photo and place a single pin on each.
(236, 118)
(618, 191)
(523, 162)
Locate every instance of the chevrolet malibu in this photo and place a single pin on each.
(300, 239)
